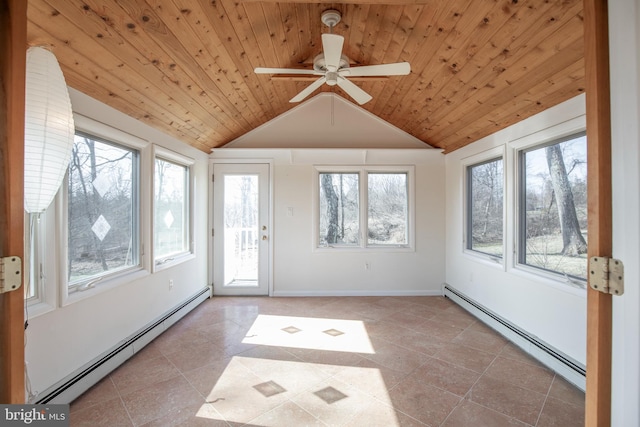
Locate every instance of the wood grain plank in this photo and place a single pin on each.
(13, 35)
(599, 209)
(512, 75)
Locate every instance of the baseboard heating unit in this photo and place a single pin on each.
(69, 388)
(563, 365)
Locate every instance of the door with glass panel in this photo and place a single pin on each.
(241, 229)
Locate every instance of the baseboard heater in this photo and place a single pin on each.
(69, 388)
(563, 365)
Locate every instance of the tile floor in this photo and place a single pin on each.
(349, 361)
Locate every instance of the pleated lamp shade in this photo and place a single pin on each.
(49, 130)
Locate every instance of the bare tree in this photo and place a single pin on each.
(332, 208)
(573, 242)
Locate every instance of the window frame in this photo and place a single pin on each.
(487, 156)
(520, 202)
(187, 162)
(110, 135)
(363, 172)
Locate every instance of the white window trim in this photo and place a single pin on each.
(485, 156)
(169, 155)
(45, 299)
(362, 171)
(121, 277)
(515, 147)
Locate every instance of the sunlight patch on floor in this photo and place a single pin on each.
(310, 333)
(267, 392)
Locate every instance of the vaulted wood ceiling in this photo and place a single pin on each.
(186, 66)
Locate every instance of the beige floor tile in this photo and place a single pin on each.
(160, 399)
(198, 415)
(509, 399)
(557, 413)
(454, 379)
(563, 390)
(140, 372)
(287, 414)
(489, 342)
(466, 357)
(424, 402)
(107, 413)
(521, 374)
(104, 391)
(469, 414)
(427, 354)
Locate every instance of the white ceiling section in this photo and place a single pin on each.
(327, 121)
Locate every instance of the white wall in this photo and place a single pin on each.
(551, 310)
(624, 28)
(63, 339)
(300, 269)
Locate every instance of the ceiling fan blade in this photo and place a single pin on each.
(354, 91)
(396, 69)
(307, 90)
(332, 50)
(263, 70)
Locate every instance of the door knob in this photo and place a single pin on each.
(264, 237)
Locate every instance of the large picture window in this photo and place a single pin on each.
(103, 209)
(364, 208)
(553, 207)
(485, 212)
(171, 210)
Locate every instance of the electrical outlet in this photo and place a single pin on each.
(367, 266)
(170, 283)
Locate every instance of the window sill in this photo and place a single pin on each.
(172, 261)
(486, 259)
(103, 285)
(38, 308)
(556, 281)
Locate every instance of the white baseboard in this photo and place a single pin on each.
(72, 386)
(554, 359)
(357, 293)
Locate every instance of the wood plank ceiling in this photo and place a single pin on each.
(186, 66)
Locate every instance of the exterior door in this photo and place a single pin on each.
(241, 229)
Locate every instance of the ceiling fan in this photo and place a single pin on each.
(333, 67)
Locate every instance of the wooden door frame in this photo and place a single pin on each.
(13, 43)
(599, 204)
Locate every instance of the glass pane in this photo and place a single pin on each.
(171, 209)
(101, 203)
(241, 231)
(555, 206)
(485, 215)
(388, 209)
(339, 210)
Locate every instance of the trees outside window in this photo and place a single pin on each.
(366, 208)
(485, 214)
(103, 211)
(171, 209)
(553, 207)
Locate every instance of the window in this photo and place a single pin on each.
(103, 210)
(171, 229)
(364, 207)
(388, 209)
(485, 214)
(339, 209)
(553, 207)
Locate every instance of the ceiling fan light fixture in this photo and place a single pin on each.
(330, 18)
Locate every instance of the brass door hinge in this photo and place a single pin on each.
(606, 275)
(10, 273)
